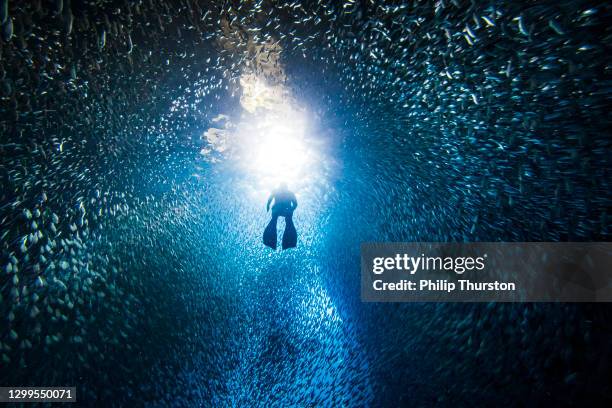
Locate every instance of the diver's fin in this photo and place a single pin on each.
(290, 234)
(269, 236)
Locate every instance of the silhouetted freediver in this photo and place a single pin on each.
(284, 205)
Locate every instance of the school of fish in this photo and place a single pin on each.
(131, 262)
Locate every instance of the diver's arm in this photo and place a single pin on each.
(269, 202)
(294, 202)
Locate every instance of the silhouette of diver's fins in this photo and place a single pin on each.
(269, 236)
(290, 234)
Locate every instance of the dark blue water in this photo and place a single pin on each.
(132, 259)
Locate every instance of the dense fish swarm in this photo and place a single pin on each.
(132, 265)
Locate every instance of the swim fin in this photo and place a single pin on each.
(290, 234)
(269, 235)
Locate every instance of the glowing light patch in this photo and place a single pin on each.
(271, 142)
(275, 144)
(257, 94)
(279, 151)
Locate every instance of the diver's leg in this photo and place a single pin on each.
(290, 234)
(269, 236)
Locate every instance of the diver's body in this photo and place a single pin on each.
(283, 203)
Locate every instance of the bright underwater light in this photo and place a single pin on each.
(280, 151)
(272, 142)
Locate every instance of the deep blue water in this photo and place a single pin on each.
(132, 259)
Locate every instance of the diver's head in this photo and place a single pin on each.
(282, 185)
